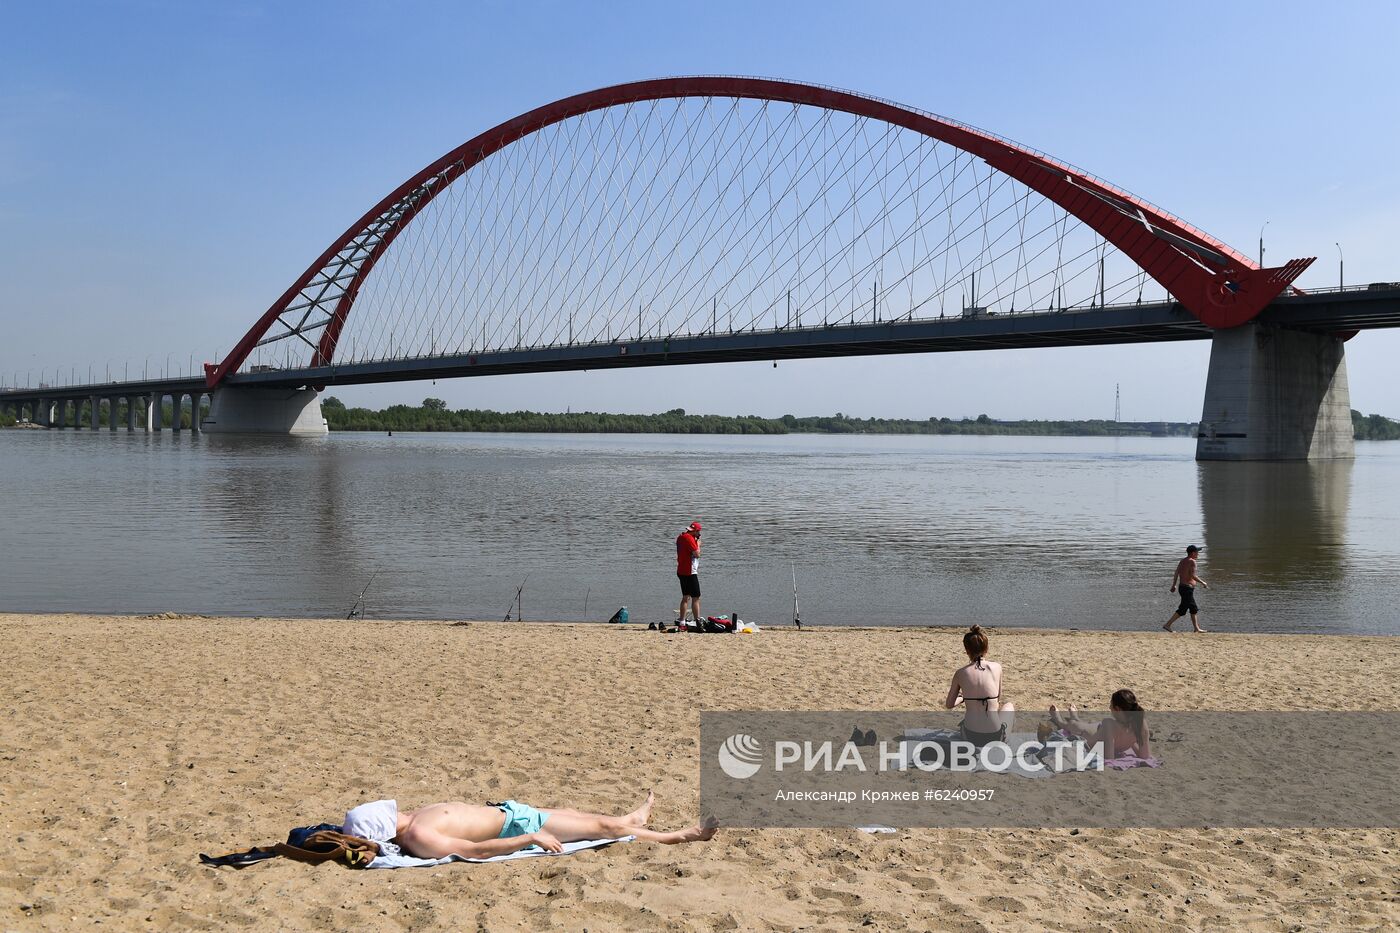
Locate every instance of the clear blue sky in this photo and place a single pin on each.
(168, 168)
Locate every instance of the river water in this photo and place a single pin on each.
(1015, 531)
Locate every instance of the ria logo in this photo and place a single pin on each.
(739, 756)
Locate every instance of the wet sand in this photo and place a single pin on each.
(131, 745)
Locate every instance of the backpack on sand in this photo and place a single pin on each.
(720, 623)
(327, 845)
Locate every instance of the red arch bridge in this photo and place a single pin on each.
(714, 219)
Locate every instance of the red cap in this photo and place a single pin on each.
(695, 526)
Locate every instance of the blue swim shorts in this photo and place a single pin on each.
(521, 819)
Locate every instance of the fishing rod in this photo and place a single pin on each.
(358, 609)
(516, 603)
(796, 611)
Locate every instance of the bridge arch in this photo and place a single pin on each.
(1218, 285)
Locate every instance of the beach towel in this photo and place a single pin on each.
(1046, 756)
(409, 861)
(1017, 765)
(1129, 760)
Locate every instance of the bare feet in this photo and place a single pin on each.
(1055, 719)
(1167, 627)
(1199, 629)
(642, 815)
(1073, 713)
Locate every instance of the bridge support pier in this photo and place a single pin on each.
(250, 410)
(94, 413)
(1276, 394)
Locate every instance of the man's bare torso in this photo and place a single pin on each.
(1186, 572)
(472, 822)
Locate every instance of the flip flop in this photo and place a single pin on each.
(237, 859)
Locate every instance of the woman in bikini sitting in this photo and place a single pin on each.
(978, 686)
(1123, 732)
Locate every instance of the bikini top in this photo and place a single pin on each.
(968, 699)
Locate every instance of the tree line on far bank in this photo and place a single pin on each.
(433, 415)
(1374, 427)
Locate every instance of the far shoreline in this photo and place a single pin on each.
(433, 416)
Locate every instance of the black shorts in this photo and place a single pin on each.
(1188, 600)
(690, 584)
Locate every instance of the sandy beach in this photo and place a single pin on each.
(130, 745)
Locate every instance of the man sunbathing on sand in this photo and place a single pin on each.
(476, 831)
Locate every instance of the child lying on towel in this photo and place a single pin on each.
(476, 831)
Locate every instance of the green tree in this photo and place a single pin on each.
(1374, 427)
(434, 404)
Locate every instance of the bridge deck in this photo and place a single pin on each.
(1333, 310)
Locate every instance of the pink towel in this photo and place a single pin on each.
(1129, 760)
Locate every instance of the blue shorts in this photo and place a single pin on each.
(521, 819)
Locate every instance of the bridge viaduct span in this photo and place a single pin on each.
(715, 219)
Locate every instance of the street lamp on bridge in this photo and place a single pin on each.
(1341, 268)
(1261, 244)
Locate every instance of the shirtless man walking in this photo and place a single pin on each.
(1185, 579)
(477, 831)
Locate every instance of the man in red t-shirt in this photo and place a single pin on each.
(688, 569)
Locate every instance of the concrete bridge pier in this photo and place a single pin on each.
(1276, 394)
(113, 404)
(251, 410)
(152, 403)
(94, 412)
